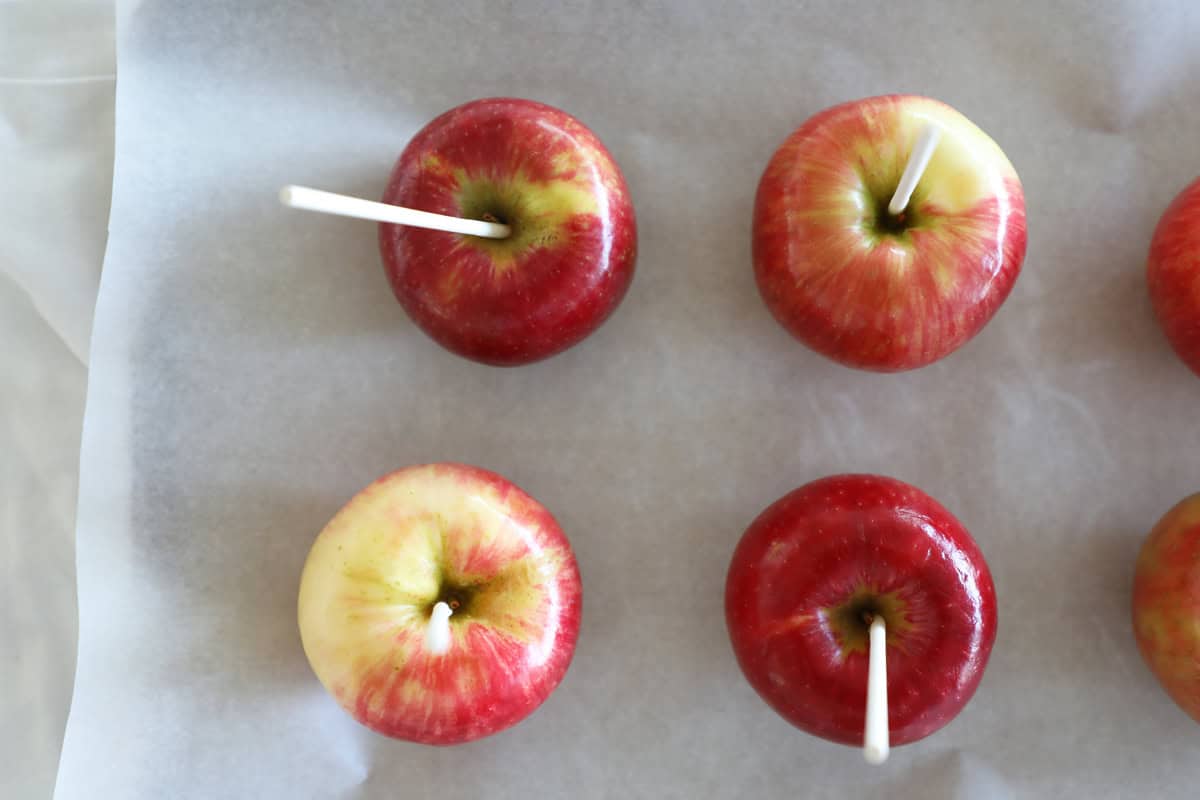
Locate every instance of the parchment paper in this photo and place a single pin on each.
(251, 371)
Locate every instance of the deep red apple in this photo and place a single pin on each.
(570, 256)
(863, 286)
(1173, 272)
(1166, 603)
(441, 604)
(818, 565)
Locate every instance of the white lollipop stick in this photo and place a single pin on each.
(918, 160)
(346, 206)
(437, 635)
(876, 736)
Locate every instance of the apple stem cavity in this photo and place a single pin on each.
(876, 735)
(437, 635)
(918, 160)
(341, 205)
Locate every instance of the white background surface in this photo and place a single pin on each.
(56, 130)
(251, 372)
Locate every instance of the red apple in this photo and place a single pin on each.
(880, 291)
(569, 258)
(1166, 603)
(812, 572)
(1173, 272)
(410, 542)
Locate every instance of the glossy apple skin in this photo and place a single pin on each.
(569, 260)
(814, 566)
(1166, 603)
(886, 295)
(1173, 273)
(453, 533)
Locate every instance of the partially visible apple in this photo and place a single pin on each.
(812, 572)
(570, 257)
(411, 541)
(1173, 273)
(1166, 603)
(874, 290)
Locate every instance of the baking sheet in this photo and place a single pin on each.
(251, 371)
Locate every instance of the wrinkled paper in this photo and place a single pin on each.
(251, 371)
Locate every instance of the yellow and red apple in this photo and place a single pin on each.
(876, 290)
(417, 546)
(1166, 603)
(1173, 273)
(813, 571)
(568, 260)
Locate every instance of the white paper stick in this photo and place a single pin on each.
(346, 206)
(876, 736)
(437, 635)
(918, 160)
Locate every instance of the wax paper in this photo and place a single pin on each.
(251, 371)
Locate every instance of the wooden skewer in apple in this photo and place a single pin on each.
(862, 269)
(534, 241)
(918, 161)
(303, 197)
(428, 655)
(437, 634)
(876, 737)
(861, 582)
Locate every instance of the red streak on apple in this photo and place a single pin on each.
(570, 257)
(1173, 273)
(1166, 603)
(874, 291)
(812, 571)
(440, 533)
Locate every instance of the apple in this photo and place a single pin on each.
(568, 260)
(1166, 603)
(1173, 272)
(813, 571)
(874, 290)
(440, 605)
